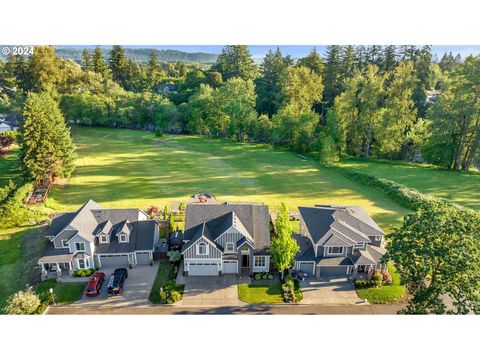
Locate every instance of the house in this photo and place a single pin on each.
(227, 238)
(93, 237)
(339, 240)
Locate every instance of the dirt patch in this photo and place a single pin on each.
(60, 182)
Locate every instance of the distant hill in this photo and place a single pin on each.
(140, 55)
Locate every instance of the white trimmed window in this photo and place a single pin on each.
(359, 246)
(80, 246)
(230, 247)
(65, 243)
(260, 261)
(202, 249)
(103, 239)
(335, 250)
(81, 264)
(122, 238)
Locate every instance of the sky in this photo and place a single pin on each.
(295, 51)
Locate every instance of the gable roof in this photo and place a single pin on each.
(348, 224)
(91, 220)
(253, 217)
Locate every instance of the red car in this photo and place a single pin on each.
(95, 284)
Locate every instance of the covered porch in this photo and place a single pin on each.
(56, 266)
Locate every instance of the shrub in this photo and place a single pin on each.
(174, 256)
(377, 276)
(386, 277)
(270, 276)
(265, 276)
(258, 276)
(175, 296)
(89, 272)
(24, 302)
(362, 284)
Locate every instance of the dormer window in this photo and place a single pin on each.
(202, 249)
(103, 239)
(65, 243)
(122, 238)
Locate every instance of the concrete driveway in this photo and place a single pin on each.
(210, 291)
(329, 291)
(135, 291)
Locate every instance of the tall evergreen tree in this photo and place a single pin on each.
(313, 61)
(348, 62)
(389, 58)
(332, 79)
(235, 61)
(268, 85)
(119, 65)
(45, 69)
(154, 71)
(47, 149)
(98, 63)
(86, 60)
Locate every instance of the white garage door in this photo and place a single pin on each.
(114, 260)
(204, 269)
(143, 258)
(230, 267)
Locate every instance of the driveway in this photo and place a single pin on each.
(135, 290)
(329, 291)
(210, 291)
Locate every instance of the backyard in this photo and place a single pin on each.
(128, 168)
(460, 187)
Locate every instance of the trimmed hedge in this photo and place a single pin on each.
(405, 196)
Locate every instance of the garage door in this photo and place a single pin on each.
(333, 270)
(114, 260)
(203, 269)
(143, 258)
(306, 267)
(230, 267)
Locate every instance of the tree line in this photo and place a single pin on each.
(390, 102)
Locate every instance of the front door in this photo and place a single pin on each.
(246, 261)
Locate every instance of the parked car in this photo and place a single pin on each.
(95, 284)
(115, 284)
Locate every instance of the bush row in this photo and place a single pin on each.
(405, 196)
(83, 273)
(13, 210)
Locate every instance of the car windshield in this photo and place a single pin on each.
(91, 289)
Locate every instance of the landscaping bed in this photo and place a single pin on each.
(383, 294)
(165, 280)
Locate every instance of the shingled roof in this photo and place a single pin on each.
(348, 223)
(252, 217)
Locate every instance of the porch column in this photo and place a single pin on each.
(59, 270)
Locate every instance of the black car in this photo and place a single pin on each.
(115, 284)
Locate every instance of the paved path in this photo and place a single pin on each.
(229, 310)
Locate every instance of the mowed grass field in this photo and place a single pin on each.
(460, 187)
(9, 166)
(128, 168)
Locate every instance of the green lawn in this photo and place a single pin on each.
(65, 293)
(384, 294)
(460, 187)
(9, 166)
(128, 168)
(260, 294)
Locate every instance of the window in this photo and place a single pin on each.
(80, 246)
(335, 250)
(230, 247)
(103, 239)
(65, 243)
(202, 249)
(122, 238)
(359, 246)
(81, 263)
(260, 261)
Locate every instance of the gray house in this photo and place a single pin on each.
(228, 238)
(339, 240)
(94, 237)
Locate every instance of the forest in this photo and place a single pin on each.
(388, 102)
